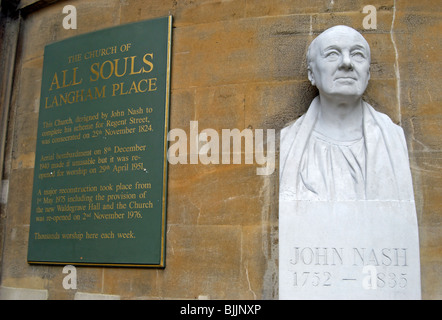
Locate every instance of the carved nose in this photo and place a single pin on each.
(346, 62)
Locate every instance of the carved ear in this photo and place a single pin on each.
(311, 76)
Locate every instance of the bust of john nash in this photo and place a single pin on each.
(342, 149)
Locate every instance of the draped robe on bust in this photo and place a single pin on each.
(315, 167)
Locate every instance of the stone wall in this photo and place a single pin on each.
(235, 64)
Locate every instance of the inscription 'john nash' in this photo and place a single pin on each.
(322, 256)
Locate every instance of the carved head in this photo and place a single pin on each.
(339, 62)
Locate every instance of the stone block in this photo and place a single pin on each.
(272, 105)
(89, 279)
(430, 239)
(36, 281)
(216, 54)
(282, 7)
(46, 25)
(414, 34)
(184, 12)
(237, 200)
(428, 180)
(130, 283)
(220, 107)
(25, 3)
(379, 95)
(207, 11)
(26, 141)
(15, 269)
(284, 53)
(420, 97)
(415, 24)
(4, 192)
(419, 6)
(383, 57)
(182, 109)
(426, 132)
(260, 8)
(258, 263)
(246, 50)
(324, 20)
(24, 161)
(28, 99)
(20, 196)
(39, 30)
(7, 293)
(137, 10)
(202, 260)
(431, 282)
(95, 296)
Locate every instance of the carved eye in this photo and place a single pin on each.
(332, 54)
(358, 55)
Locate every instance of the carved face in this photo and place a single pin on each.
(340, 63)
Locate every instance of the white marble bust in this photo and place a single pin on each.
(346, 196)
(342, 149)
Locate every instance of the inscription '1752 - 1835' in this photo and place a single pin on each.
(99, 192)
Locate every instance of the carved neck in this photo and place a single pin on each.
(340, 119)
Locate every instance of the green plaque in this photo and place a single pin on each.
(99, 193)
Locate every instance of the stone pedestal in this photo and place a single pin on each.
(348, 250)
